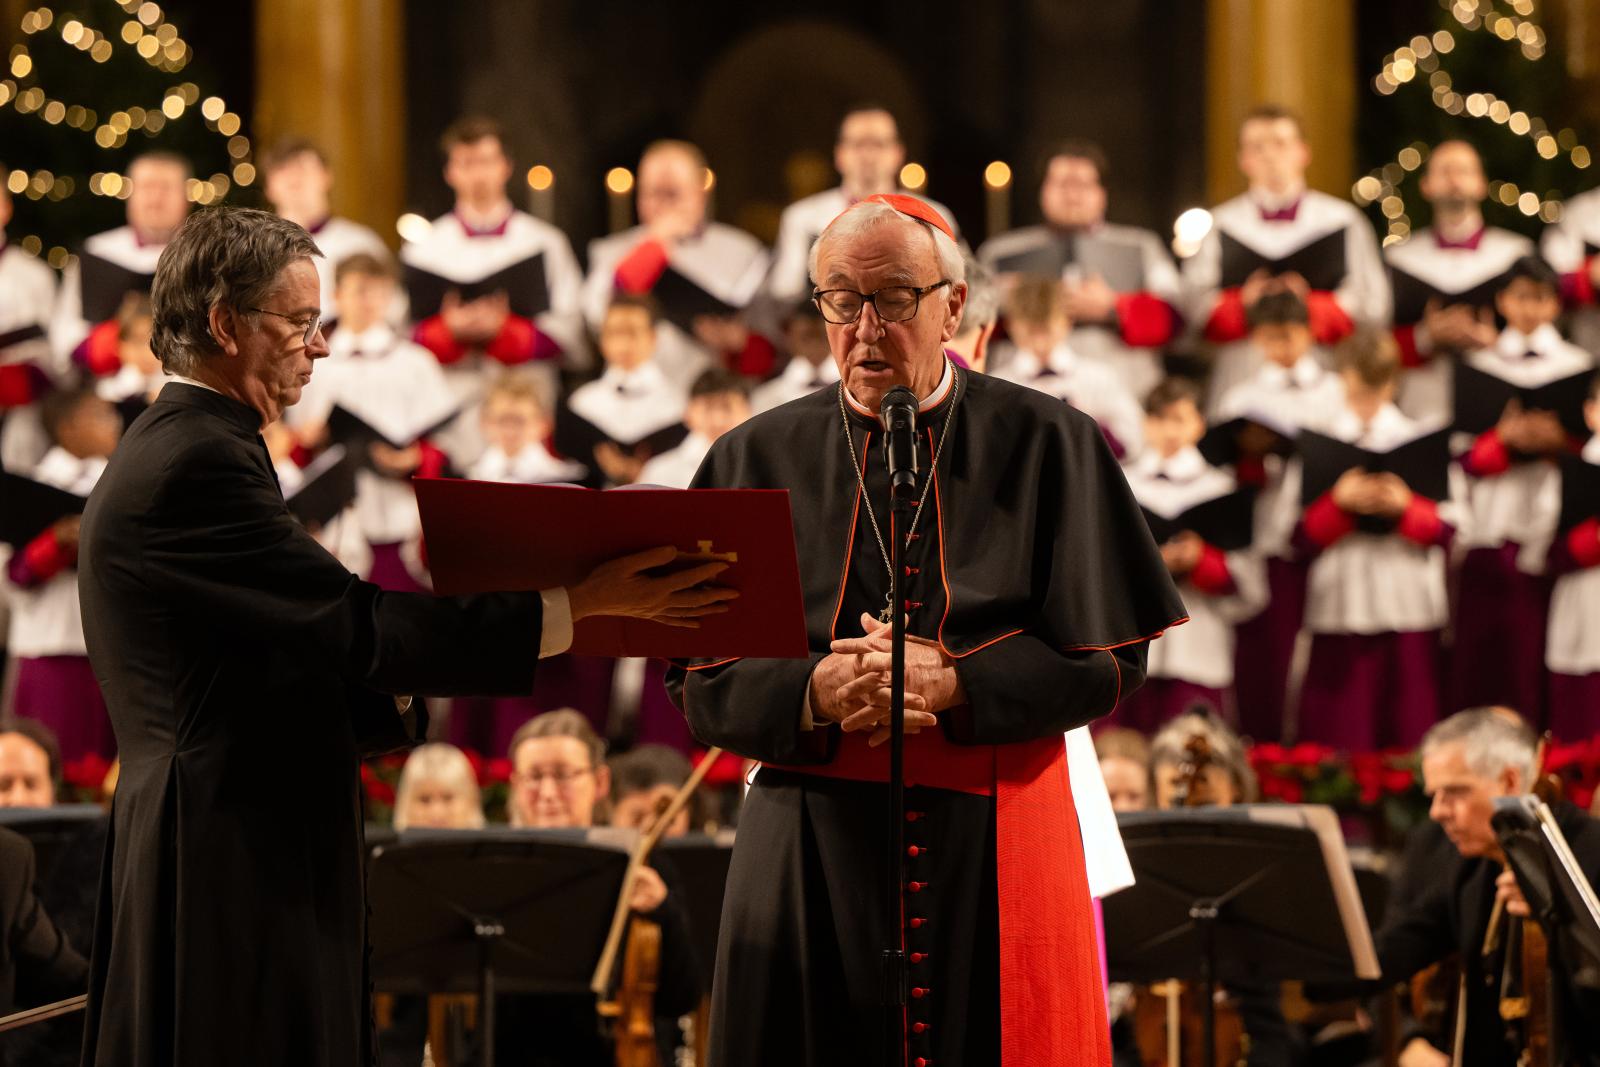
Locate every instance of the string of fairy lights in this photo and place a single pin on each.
(1421, 58)
(152, 36)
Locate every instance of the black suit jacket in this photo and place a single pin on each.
(246, 672)
(37, 964)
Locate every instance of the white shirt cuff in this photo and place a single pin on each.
(556, 636)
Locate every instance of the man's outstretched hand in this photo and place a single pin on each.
(623, 587)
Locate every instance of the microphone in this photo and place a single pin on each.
(898, 410)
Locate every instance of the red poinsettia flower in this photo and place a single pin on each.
(498, 770)
(87, 771)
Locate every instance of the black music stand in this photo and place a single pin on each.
(51, 831)
(517, 911)
(1555, 887)
(1247, 893)
(699, 863)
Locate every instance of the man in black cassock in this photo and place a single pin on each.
(1034, 591)
(246, 672)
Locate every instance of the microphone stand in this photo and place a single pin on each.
(903, 496)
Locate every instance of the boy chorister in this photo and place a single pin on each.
(398, 390)
(491, 286)
(297, 181)
(719, 400)
(518, 432)
(703, 274)
(810, 366)
(1040, 328)
(1190, 664)
(1289, 388)
(1444, 278)
(632, 412)
(1280, 230)
(135, 384)
(54, 681)
(1502, 608)
(27, 297)
(84, 331)
(1376, 601)
(1572, 649)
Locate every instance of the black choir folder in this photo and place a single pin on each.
(682, 300)
(1481, 398)
(1411, 295)
(486, 536)
(1320, 262)
(1120, 265)
(1423, 463)
(356, 432)
(1224, 522)
(1580, 492)
(523, 283)
(329, 486)
(103, 285)
(28, 508)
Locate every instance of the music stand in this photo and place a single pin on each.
(699, 863)
(51, 831)
(519, 911)
(1247, 893)
(1555, 887)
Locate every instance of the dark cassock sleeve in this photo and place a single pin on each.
(224, 546)
(46, 964)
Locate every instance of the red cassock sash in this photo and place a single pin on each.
(1052, 1000)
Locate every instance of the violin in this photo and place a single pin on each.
(1167, 1016)
(1527, 1006)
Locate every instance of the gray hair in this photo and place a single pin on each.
(983, 296)
(1491, 740)
(223, 255)
(868, 213)
(439, 762)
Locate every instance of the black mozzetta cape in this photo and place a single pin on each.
(245, 672)
(1033, 560)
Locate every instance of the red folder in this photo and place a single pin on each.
(488, 536)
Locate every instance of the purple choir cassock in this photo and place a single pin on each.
(1375, 605)
(1503, 600)
(1264, 652)
(1572, 647)
(55, 683)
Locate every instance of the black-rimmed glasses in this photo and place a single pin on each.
(310, 327)
(893, 303)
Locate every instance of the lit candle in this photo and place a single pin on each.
(541, 192)
(997, 199)
(619, 183)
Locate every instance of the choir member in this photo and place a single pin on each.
(1444, 278)
(1225, 779)
(438, 790)
(1376, 602)
(30, 764)
(1289, 388)
(633, 411)
(1468, 761)
(54, 681)
(297, 181)
(27, 298)
(560, 780)
(1279, 231)
(868, 155)
(398, 394)
(1570, 246)
(491, 286)
(719, 400)
(1125, 765)
(517, 430)
(1034, 591)
(139, 378)
(84, 330)
(1040, 327)
(702, 273)
(809, 367)
(970, 346)
(1504, 593)
(1121, 288)
(1572, 646)
(1220, 585)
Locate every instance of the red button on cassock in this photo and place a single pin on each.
(919, 1028)
(919, 992)
(920, 1062)
(918, 957)
(914, 851)
(916, 924)
(916, 887)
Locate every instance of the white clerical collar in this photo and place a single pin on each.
(932, 400)
(196, 384)
(1514, 345)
